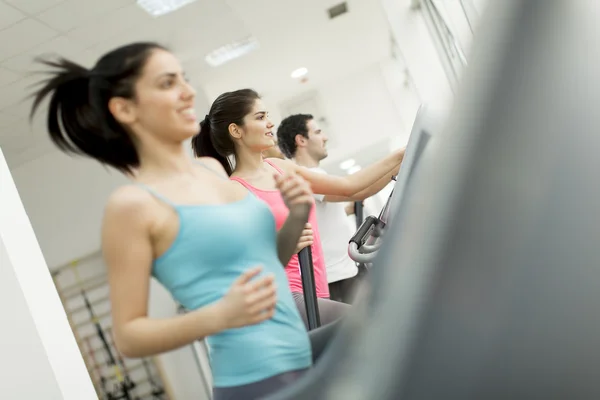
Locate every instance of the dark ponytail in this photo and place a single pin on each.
(214, 139)
(78, 118)
(203, 146)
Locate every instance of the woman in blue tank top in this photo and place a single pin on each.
(211, 243)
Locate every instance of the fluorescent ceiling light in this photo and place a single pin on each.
(231, 51)
(354, 169)
(347, 164)
(161, 7)
(299, 73)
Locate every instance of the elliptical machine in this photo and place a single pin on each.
(366, 242)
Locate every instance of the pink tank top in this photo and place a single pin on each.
(280, 211)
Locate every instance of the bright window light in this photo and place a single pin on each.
(231, 51)
(299, 73)
(161, 7)
(347, 164)
(354, 169)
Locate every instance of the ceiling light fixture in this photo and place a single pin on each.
(231, 51)
(299, 73)
(347, 164)
(354, 169)
(157, 8)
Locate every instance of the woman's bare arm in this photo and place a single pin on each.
(288, 237)
(366, 193)
(128, 254)
(298, 198)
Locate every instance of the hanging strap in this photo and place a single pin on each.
(156, 194)
(274, 166)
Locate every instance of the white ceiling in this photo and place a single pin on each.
(292, 33)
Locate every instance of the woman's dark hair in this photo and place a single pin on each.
(289, 128)
(78, 119)
(214, 139)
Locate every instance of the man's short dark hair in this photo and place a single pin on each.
(287, 131)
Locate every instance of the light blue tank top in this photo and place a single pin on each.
(214, 245)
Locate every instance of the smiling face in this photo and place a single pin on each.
(163, 107)
(257, 132)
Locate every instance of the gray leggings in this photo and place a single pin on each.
(329, 310)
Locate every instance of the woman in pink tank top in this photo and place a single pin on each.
(238, 125)
(273, 198)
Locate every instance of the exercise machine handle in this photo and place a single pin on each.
(361, 234)
(308, 288)
(359, 257)
(357, 249)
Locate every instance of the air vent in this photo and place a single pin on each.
(337, 10)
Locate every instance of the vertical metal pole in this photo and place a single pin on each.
(358, 213)
(308, 288)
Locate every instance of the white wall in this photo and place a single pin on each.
(361, 110)
(39, 355)
(23, 358)
(410, 32)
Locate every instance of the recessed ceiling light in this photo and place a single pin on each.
(299, 73)
(354, 169)
(347, 164)
(161, 7)
(231, 51)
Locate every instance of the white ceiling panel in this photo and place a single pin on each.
(16, 92)
(22, 108)
(15, 129)
(33, 6)
(215, 33)
(60, 45)
(7, 76)
(161, 36)
(111, 25)
(34, 143)
(70, 14)
(16, 136)
(7, 120)
(24, 154)
(9, 15)
(22, 36)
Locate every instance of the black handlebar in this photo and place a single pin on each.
(308, 288)
(361, 234)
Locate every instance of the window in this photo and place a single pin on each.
(451, 25)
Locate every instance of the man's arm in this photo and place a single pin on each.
(366, 193)
(349, 185)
